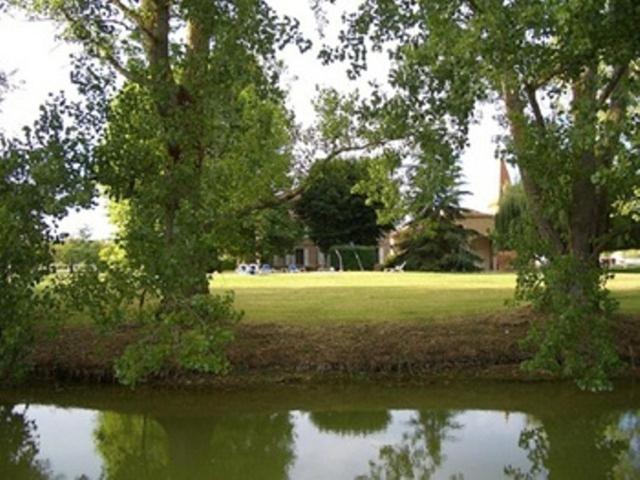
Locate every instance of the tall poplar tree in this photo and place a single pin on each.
(194, 134)
(199, 93)
(566, 75)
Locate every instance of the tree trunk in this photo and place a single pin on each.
(576, 240)
(180, 108)
(584, 209)
(514, 107)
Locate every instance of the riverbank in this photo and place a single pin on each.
(486, 346)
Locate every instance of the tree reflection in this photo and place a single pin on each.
(19, 446)
(351, 423)
(221, 447)
(419, 453)
(624, 436)
(533, 440)
(579, 445)
(253, 446)
(131, 447)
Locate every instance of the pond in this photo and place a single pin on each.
(456, 430)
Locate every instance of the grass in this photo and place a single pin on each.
(364, 297)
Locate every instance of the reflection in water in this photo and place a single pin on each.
(19, 446)
(532, 440)
(252, 446)
(624, 435)
(351, 423)
(131, 447)
(229, 443)
(419, 454)
(576, 447)
(234, 446)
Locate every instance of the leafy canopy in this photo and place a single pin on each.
(193, 135)
(333, 214)
(566, 76)
(42, 174)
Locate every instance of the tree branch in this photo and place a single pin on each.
(127, 11)
(547, 78)
(515, 114)
(134, 16)
(101, 52)
(111, 60)
(618, 74)
(295, 193)
(535, 106)
(354, 148)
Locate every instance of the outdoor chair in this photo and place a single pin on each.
(243, 269)
(400, 268)
(293, 268)
(397, 268)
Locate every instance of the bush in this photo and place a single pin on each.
(576, 340)
(350, 253)
(189, 333)
(192, 337)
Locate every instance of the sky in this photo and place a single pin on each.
(40, 64)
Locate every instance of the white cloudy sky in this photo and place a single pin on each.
(41, 64)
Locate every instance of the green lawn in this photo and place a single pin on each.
(325, 298)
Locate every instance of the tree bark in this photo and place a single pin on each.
(179, 106)
(589, 209)
(585, 199)
(518, 125)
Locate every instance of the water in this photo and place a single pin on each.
(454, 431)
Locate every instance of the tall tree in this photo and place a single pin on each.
(566, 76)
(512, 218)
(199, 105)
(42, 174)
(332, 212)
(437, 242)
(195, 134)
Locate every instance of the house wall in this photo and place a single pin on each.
(481, 246)
(481, 223)
(314, 259)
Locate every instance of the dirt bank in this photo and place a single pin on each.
(484, 346)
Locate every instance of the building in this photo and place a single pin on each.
(481, 244)
(308, 255)
(305, 255)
